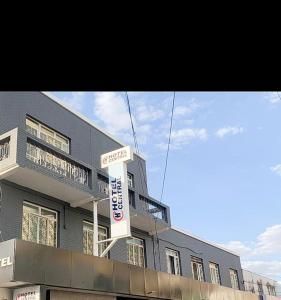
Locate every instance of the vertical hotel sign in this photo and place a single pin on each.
(116, 164)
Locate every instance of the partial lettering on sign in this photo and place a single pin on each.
(28, 293)
(6, 261)
(116, 156)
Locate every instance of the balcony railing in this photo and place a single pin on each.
(154, 209)
(57, 164)
(103, 187)
(4, 149)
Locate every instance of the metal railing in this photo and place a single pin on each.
(103, 187)
(154, 209)
(4, 149)
(57, 164)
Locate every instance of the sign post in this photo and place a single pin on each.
(115, 162)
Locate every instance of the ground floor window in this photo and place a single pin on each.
(234, 279)
(88, 234)
(173, 261)
(135, 251)
(39, 224)
(197, 268)
(215, 273)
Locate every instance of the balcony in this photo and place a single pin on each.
(33, 164)
(146, 214)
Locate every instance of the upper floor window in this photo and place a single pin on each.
(215, 273)
(173, 262)
(130, 180)
(197, 268)
(48, 135)
(135, 251)
(234, 279)
(88, 233)
(39, 225)
(271, 289)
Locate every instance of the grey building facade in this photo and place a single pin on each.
(56, 170)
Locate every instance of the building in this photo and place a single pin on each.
(49, 165)
(259, 284)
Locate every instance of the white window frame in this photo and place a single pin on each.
(39, 214)
(176, 257)
(198, 262)
(56, 136)
(214, 273)
(131, 247)
(234, 279)
(130, 177)
(91, 231)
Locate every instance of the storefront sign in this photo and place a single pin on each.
(6, 261)
(116, 156)
(28, 293)
(116, 163)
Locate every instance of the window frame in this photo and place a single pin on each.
(40, 215)
(198, 262)
(99, 226)
(128, 244)
(132, 180)
(217, 269)
(235, 272)
(171, 253)
(57, 136)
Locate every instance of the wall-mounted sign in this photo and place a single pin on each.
(116, 156)
(116, 163)
(6, 261)
(27, 293)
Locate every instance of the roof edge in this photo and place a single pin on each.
(205, 241)
(87, 120)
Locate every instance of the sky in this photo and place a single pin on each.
(223, 179)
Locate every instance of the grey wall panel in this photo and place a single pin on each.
(137, 281)
(121, 280)
(103, 270)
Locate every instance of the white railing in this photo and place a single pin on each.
(4, 150)
(56, 164)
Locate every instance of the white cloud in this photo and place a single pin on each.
(148, 113)
(273, 97)
(276, 169)
(76, 100)
(184, 136)
(110, 108)
(238, 247)
(270, 240)
(267, 246)
(233, 130)
(268, 268)
(183, 110)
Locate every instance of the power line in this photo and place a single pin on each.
(164, 177)
(136, 145)
(168, 147)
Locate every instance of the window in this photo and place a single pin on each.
(48, 135)
(39, 225)
(135, 251)
(132, 198)
(197, 268)
(173, 262)
(215, 273)
(88, 232)
(130, 179)
(271, 289)
(234, 279)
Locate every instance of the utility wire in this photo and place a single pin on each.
(136, 145)
(164, 177)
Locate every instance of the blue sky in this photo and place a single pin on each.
(224, 172)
